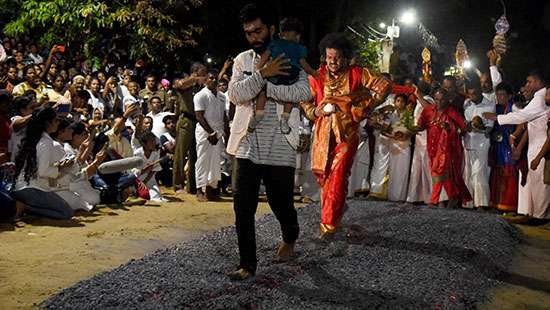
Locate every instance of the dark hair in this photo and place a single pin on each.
(147, 136)
(27, 68)
(539, 75)
(214, 72)
(150, 75)
(473, 83)
(5, 97)
(20, 103)
(291, 24)
(337, 40)
(99, 141)
(252, 12)
(505, 87)
(78, 128)
(26, 158)
(424, 87)
(63, 124)
(223, 80)
(196, 66)
(168, 118)
(155, 97)
(444, 92)
(405, 97)
(449, 78)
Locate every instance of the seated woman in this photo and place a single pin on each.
(72, 184)
(37, 167)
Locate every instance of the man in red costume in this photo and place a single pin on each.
(444, 126)
(343, 97)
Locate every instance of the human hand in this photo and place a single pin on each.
(3, 81)
(228, 63)
(213, 139)
(55, 49)
(130, 110)
(274, 67)
(516, 153)
(324, 110)
(65, 163)
(492, 57)
(535, 163)
(101, 155)
(489, 116)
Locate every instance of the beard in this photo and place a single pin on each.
(259, 49)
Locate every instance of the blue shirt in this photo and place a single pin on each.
(292, 50)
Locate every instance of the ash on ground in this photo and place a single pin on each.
(387, 256)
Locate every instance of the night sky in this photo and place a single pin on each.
(472, 20)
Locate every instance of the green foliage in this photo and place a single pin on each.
(144, 28)
(369, 54)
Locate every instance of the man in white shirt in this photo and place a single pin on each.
(157, 115)
(476, 145)
(534, 197)
(267, 154)
(210, 112)
(420, 182)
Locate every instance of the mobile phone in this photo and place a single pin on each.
(61, 48)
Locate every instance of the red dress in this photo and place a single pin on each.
(445, 152)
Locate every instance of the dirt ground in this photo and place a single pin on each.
(40, 257)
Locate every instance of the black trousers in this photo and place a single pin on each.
(279, 185)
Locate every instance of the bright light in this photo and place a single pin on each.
(467, 64)
(382, 26)
(408, 17)
(209, 60)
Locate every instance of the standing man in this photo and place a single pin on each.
(185, 151)
(343, 96)
(534, 197)
(266, 154)
(476, 145)
(213, 125)
(420, 182)
(151, 89)
(444, 126)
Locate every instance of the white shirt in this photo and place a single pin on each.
(46, 156)
(36, 58)
(158, 125)
(536, 114)
(213, 106)
(155, 155)
(96, 102)
(477, 140)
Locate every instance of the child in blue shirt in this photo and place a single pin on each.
(288, 44)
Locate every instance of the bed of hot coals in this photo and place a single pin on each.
(387, 256)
